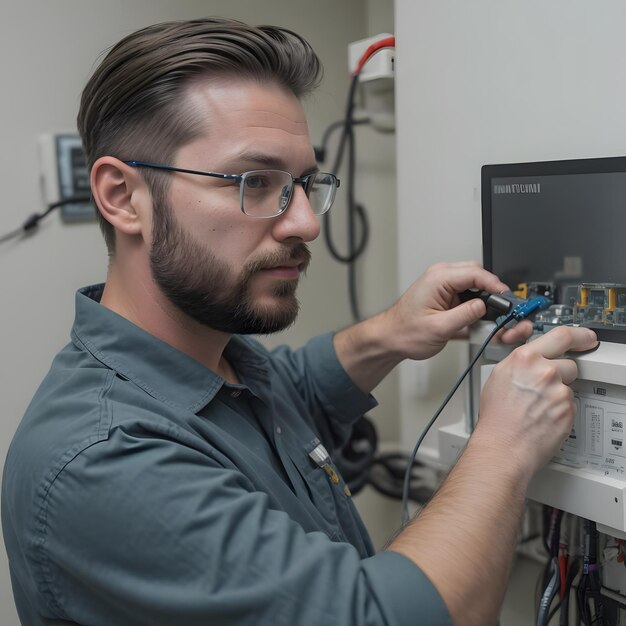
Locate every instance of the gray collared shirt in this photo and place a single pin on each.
(141, 488)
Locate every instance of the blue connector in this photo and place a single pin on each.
(528, 307)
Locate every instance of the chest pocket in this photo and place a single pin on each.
(351, 526)
(322, 482)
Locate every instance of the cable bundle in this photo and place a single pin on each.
(356, 212)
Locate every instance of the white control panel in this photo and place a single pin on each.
(587, 477)
(597, 442)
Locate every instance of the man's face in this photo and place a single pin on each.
(229, 271)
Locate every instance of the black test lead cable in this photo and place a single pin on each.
(519, 312)
(405, 487)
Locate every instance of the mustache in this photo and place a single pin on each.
(299, 253)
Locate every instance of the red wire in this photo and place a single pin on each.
(387, 42)
(563, 569)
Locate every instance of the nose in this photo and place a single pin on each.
(298, 220)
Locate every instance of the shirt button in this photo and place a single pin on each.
(278, 430)
(235, 394)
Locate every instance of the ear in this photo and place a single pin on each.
(121, 195)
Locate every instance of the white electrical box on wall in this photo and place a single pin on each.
(376, 82)
(64, 175)
(587, 476)
(380, 66)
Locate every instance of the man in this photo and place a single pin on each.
(169, 469)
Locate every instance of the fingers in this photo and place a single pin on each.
(532, 370)
(466, 275)
(567, 370)
(456, 319)
(557, 341)
(518, 334)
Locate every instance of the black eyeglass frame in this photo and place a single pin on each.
(240, 178)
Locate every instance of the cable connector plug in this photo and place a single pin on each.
(524, 309)
(497, 304)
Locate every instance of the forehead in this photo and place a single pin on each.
(243, 115)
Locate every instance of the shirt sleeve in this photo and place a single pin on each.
(145, 529)
(334, 401)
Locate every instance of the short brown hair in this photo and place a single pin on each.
(133, 105)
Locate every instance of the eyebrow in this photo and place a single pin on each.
(268, 161)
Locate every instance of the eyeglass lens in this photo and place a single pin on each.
(267, 192)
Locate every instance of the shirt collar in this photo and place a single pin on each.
(161, 370)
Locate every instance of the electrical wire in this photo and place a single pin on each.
(553, 577)
(405, 489)
(588, 592)
(554, 611)
(33, 220)
(12, 234)
(320, 150)
(542, 579)
(563, 553)
(555, 532)
(356, 214)
(572, 572)
(386, 475)
(550, 592)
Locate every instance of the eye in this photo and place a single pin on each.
(257, 181)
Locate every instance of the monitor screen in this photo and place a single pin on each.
(560, 227)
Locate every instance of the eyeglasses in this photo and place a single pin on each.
(267, 193)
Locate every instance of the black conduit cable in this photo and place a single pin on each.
(348, 122)
(12, 234)
(357, 248)
(347, 136)
(33, 220)
(386, 475)
(320, 151)
(355, 212)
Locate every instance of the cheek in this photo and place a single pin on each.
(207, 221)
(220, 224)
(228, 239)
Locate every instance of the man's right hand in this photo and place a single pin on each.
(463, 540)
(527, 407)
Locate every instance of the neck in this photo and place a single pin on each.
(133, 294)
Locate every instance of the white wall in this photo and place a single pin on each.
(47, 52)
(493, 81)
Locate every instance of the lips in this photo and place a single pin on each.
(285, 260)
(291, 264)
(289, 272)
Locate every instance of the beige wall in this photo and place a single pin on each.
(47, 51)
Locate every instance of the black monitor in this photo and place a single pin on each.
(558, 224)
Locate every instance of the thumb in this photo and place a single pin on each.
(462, 316)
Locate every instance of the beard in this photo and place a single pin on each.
(202, 286)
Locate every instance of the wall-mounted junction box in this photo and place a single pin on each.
(587, 476)
(64, 175)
